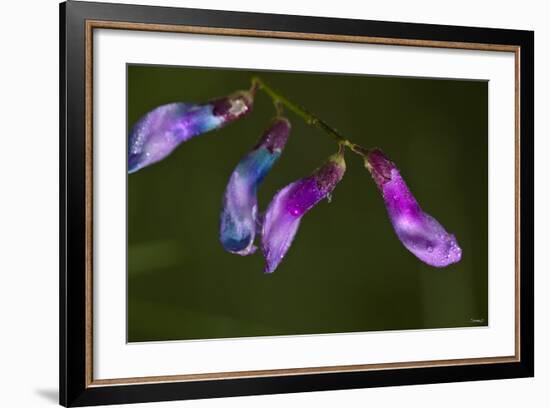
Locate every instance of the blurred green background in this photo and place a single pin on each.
(346, 270)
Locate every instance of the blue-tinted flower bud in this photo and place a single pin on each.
(239, 217)
(160, 131)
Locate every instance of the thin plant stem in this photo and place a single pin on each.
(310, 118)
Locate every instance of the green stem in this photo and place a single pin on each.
(308, 117)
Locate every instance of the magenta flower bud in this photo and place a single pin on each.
(161, 130)
(419, 232)
(240, 204)
(283, 216)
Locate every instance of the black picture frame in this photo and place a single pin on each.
(76, 389)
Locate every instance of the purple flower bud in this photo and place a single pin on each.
(161, 130)
(283, 216)
(240, 205)
(419, 232)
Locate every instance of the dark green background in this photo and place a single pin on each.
(346, 270)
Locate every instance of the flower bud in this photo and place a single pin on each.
(161, 130)
(238, 222)
(419, 232)
(289, 205)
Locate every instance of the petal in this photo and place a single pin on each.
(289, 205)
(161, 130)
(419, 232)
(279, 227)
(239, 217)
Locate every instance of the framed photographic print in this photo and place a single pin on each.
(255, 203)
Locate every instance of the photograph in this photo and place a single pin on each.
(281, 203)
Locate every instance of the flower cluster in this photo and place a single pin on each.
(164, 128)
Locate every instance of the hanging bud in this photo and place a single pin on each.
(240, 205)
(283, 216)
(419, 232)
(161, 130)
